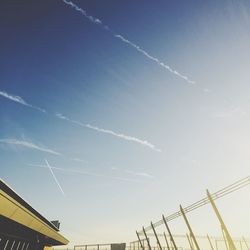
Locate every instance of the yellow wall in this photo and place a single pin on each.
(11, 209)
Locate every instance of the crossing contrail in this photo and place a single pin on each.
(57, 182)
(87, 173)
(128, 42)
(111, 132)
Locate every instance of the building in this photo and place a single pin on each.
(22, 227)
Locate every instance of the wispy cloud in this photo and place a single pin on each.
(125, 137)
(27, 144)
(83, 12)
(53, 175)
(88, 173)
(111, 132)
(128, 42)
(207, 90)
(156, 60)
(61, 116)
(141, 174)
(130, 172)
(19, 100)
(79, 160)
(231, 113)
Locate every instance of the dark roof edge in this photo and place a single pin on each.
(15, 196)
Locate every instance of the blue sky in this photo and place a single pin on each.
(138, 106)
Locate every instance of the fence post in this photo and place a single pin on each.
(169, 232)
(224, 238)
(190, 243)
(142, 246)
(147, 239)
(189, 228)
(156, 236)
(165, 236)
(223, 226)
(246, 243)
(210, 243)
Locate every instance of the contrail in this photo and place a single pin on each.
(125, 137)
(111, 132)
(20, 100)
(57, 182)
(28, 144)
(130, 172)
(88, 173)
(142, 174)
(156, 60)
(128, 42)
(79, 160)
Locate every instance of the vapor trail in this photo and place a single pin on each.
(125, 137)
(128, 42)
(111, 132)
(88, 173)
(142, 174)
(28, 144)
(19, 100)
(57, 182)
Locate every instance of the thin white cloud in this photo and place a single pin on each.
(131, 44)
(111, 132)
(53, 175)
(59, 115)
(79, 160)
(83, 12)
(88, 173)
(207, 90)
(141, 174)
(28, 144)
(13, 98)
(130, 172)
(62, 117)
(20, 100)
(231, 113)
(156, 60)
(123, 136)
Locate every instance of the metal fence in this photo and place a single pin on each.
(213, 243)
(149, 239)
